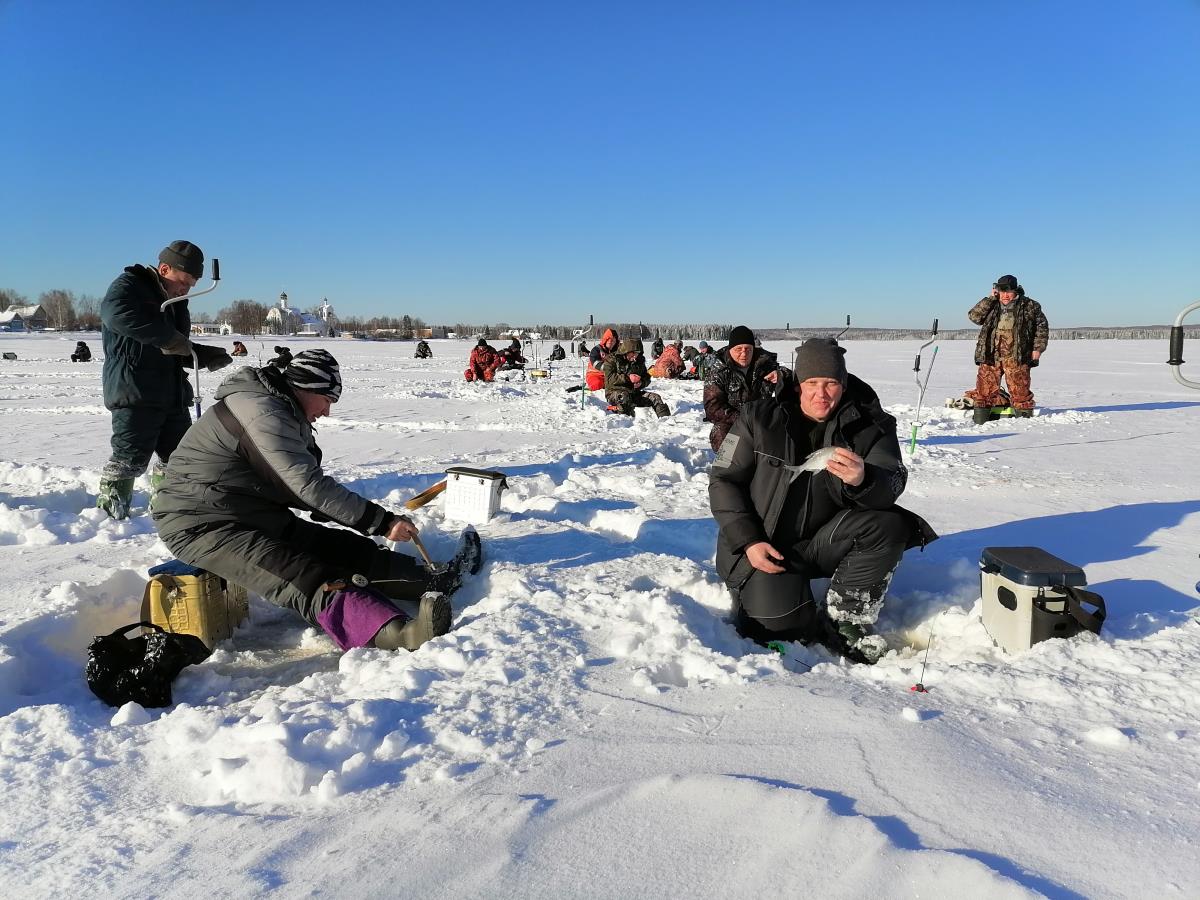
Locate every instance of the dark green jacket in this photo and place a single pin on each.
(617, 370)
(134, 331)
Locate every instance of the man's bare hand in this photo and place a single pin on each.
(772, 376)
(762, 556)
(847, 466)
(402, 530)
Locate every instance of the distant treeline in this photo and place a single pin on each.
(1082, 333)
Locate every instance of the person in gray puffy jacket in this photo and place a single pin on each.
(228, 506)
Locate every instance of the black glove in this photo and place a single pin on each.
(1033, 363)
(212, 358)
(179, 345)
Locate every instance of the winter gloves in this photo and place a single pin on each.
(210, 358)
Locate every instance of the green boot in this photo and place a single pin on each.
(158, 477)
(115, 497)
(432, 620)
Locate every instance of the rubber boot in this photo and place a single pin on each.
(981, 415)
(662, 409)
(432, 619)
(1022, 413)
(861, 644)
(158, 477)
(115, 497)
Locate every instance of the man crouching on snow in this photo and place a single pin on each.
(226, 506)
(781, 526)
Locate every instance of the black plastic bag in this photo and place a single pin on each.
(140, 669)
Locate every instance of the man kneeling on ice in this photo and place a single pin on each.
(227, 507)
(782, 522)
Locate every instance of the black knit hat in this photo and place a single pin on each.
(821, 358)
(740, 335)
(1007, 283)
(482, 342)
(316, 371)
(184, 256)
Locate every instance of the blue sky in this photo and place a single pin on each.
(540, 162)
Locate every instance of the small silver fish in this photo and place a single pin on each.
(814, 462)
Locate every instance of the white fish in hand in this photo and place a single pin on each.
(815, 461)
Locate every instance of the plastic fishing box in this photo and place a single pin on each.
(1020, 604)
(186, 600)
(473, 495)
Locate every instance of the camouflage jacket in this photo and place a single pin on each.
(1031, 331)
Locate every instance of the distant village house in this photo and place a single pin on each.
(24, 318)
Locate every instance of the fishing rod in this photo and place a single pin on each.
(216, 277)
(1176, 360)
(922, 385)
(919, 687)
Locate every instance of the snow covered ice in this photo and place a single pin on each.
(592, 726)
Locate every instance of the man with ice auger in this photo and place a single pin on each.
(1013, 335)
(145, 351)
(228, 506)
(782, 522)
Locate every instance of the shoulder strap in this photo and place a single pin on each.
(249, 451)
(1077, 598)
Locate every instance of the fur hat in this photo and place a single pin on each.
(1007, 283)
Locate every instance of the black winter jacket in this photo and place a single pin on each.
(748, 483)
(134, 332)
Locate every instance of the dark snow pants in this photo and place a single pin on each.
(626, 402)
(288, 564)
(139, 432)
(858, 549)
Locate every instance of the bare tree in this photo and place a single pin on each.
(244, 316)
(59, 306)
(87, 313)
(10, 298)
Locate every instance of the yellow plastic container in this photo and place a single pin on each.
(204, 605)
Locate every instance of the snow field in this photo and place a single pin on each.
(591, 703)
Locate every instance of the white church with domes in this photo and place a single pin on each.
(283, 319)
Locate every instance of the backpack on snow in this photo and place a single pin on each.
(141, 669)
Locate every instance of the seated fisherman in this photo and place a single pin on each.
(626, 380)
(229, 502)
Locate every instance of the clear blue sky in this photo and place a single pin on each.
(539, 162)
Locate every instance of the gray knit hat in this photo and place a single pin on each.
(316, 371)
(821, 358)
(184, 256)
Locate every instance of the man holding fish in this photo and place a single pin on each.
(805, 487)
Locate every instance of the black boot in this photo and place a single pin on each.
(467, 561)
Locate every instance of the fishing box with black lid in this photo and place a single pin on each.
(473, 495)
(1030, 596)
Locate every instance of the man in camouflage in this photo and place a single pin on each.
(1012, 337)
(626, 379)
